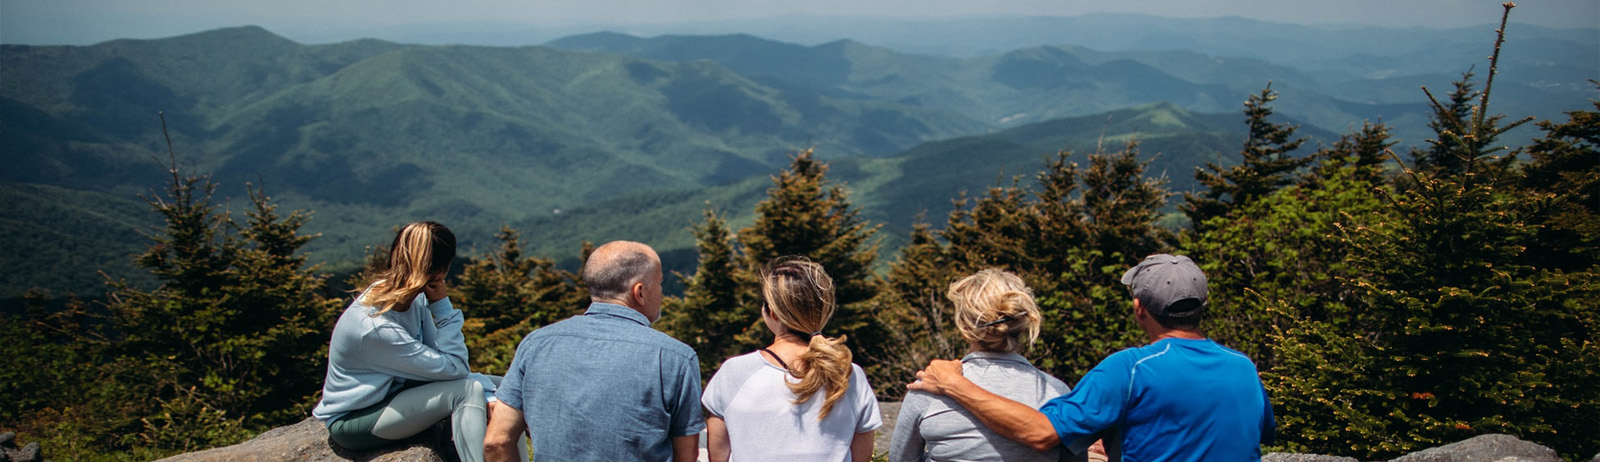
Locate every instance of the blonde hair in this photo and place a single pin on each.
(420, 250)
(799, 295)
(995, 310)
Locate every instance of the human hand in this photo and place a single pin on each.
(435, 289)
(939, 377)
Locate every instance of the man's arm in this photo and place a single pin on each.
(1011, 419)
(505, 430)
(686, 448)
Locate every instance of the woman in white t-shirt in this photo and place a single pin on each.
(800, 398)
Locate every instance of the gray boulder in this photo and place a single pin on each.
(1292, 457)
(308, 441)
(1485, 448)
(891, 412)
(10, 452)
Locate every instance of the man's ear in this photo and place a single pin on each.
(1139, 311)
(636, 291)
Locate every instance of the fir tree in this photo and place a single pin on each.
(1122, 206)
(1459, 333)
(1267, 163)
(510, 295)
(233, 338)
(804, 214)
(914, 310)
(719, 313)
(1562, 176)
(1366, 150)
(1069, 239)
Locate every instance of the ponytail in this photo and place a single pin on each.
(824, 365)
(419, 251)
(799, 294)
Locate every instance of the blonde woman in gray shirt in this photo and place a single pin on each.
(997, 316)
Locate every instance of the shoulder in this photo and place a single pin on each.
(671, 346)
(1232, 352)
(738, 368)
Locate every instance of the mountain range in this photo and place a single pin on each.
(605, 135)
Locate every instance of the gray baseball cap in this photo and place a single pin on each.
(1161, 280)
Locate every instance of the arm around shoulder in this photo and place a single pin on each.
(1013, 420)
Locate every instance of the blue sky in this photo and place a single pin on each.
(90, 21)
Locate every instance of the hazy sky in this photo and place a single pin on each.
(92, 21)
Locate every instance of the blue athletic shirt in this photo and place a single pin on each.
(1173, 400)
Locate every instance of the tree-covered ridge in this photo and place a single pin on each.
(483, 136)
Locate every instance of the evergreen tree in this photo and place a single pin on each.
(1366, 151)
(1459, 333)
(233, 338)
(1562, 176)
(719, 313)
(1267, 163)
(510, 295)
(805, 215)
(915, 312)
(1122, 205)
(1069, 239)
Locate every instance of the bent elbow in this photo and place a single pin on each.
(1042, 441)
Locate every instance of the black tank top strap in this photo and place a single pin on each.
(776, 358)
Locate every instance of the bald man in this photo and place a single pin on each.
(603, 386)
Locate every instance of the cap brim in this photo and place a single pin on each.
(1127, 278)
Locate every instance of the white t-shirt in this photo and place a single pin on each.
(753, 398)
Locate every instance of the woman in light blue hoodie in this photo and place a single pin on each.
(397, 362)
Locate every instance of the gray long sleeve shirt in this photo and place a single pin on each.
(936, 428)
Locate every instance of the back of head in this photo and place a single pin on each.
(1169, 287)
(420, 250)
(995, 310)
(613, 268)
(799, 294)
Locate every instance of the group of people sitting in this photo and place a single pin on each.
(605, 386)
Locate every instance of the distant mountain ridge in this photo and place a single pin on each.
(593, 137)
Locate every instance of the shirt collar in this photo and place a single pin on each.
(996, 356)
(610, 309)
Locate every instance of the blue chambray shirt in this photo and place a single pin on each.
(604, 386)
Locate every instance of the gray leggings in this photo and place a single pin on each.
(413, 410)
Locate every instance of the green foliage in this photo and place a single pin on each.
(803, 214)
(509, 295)
(1267, 164)
(231, 342)
(1563, 177)
(719, 313)
(1284, 257)
(1069, 246)
(1460, 329)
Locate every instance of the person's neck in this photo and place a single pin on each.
(621, 303)
(1177, 334)
(789, 340)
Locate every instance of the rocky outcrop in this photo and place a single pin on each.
(10, 452)
(1288, 457)
(308, 441)
(1485, 448)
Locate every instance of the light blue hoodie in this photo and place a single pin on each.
(372, 356)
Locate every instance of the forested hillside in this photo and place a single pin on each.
(553, 141)
(1392, 296)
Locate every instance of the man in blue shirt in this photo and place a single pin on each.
(603, 386)
(1180, 398)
